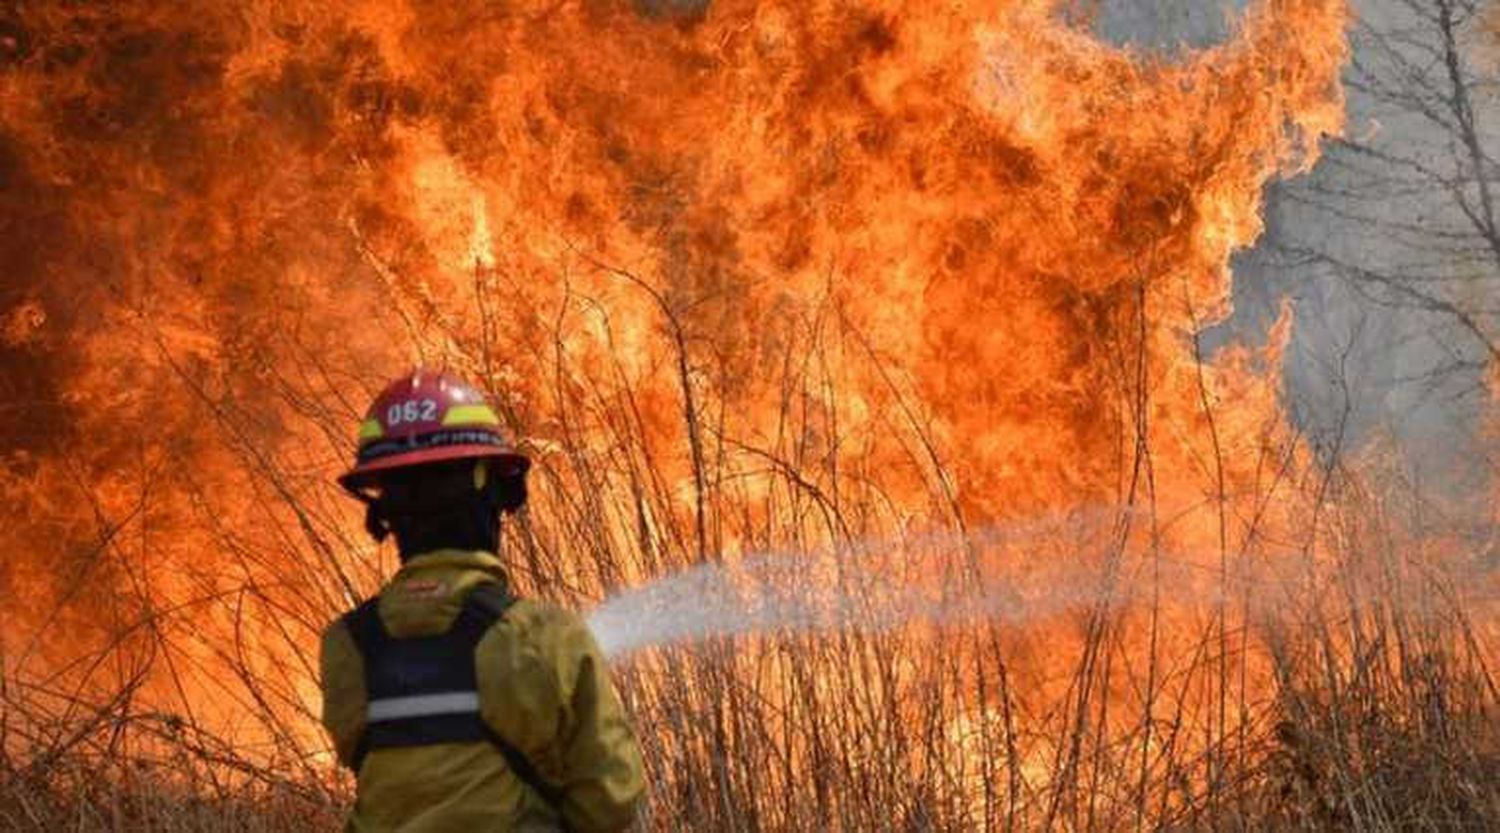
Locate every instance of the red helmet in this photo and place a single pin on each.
(429, 417)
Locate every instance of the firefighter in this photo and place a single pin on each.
(458, 706)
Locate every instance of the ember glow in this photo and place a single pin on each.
(744, 276)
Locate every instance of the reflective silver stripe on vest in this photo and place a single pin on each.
(423, 705)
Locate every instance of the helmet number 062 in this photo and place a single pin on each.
(412, 410)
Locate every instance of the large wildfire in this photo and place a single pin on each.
(741, 275)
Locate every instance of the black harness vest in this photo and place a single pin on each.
(424, 690)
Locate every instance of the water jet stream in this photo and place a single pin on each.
(1006, 574)
(1015, 575)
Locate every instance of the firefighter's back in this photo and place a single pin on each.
(437, 737)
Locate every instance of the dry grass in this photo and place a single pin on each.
(1329, 671)
(1355, 697)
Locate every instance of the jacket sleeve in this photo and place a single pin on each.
(342, 677)
(561, 710)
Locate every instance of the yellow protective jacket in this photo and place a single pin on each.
(543, 686)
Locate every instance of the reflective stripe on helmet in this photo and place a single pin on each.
(422, 705)
(470, 415)
(370, 429)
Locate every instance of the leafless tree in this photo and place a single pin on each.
(1405, 204)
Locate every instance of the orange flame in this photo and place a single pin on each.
(759, 273)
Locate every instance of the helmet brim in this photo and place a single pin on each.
(367, 475)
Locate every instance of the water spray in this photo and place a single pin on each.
(1006, 574)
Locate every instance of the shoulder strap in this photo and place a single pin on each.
(491, 599)
(368, 634)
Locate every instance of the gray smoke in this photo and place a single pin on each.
(1378, 248)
